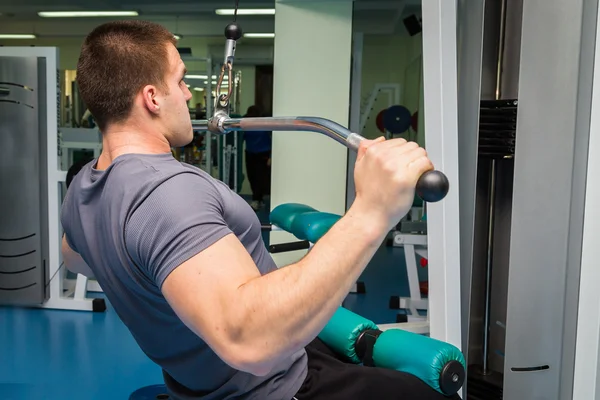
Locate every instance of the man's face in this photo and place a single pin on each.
(175, 113)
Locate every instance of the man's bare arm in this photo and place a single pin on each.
(254, 321)
(251, 321)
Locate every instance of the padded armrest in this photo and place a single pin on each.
(283, 215)
(358, 340)
(303, 221)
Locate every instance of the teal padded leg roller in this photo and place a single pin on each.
(439, 364)
(342, 331)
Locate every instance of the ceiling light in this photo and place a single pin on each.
(225, 79)
(214, 83)
(259, 35)
(247, 11)
(81, 14)
(198, 89)
(177, 37)
(16, 36)
(196, 77)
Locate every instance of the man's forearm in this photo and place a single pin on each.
(284, 310)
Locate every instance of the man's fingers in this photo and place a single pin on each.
(365, 144)
(420, 165)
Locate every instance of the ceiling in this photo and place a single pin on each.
(189, 18)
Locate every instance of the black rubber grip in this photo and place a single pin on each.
(290, 246)
(233, 31)
(432, 186)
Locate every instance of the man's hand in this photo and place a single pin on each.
(385, 174)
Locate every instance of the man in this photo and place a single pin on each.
(180, 256)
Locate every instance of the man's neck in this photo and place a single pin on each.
(130, 139)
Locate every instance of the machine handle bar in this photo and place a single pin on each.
(431, 187)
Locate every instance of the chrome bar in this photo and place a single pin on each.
(307, 124)
(432, 186)
(200, 125)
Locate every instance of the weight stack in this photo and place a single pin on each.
(497, 142)
(497, 128)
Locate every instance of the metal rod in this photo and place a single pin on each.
(488, 269)
(209, 111)
(432, 186)
(501, 50)
(309, 124)
(200, 124)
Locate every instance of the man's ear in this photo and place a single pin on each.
(150, 98)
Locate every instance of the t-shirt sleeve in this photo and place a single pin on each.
(179, 219)
(67, 213)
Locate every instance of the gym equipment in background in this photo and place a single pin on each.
(31, 267)
(393, 92)
(306, 224)
(411, 235)
(78, 145)
(22, 234)
(414, 121)
(432, 186)
(397, 119)
(230, 159)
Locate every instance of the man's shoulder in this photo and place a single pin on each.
(154, 170)
(140, 178)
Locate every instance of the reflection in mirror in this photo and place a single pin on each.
(390, 73)
(386, 100)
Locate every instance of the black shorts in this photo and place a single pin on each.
(329, 378)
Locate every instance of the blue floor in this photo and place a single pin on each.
(59, 355)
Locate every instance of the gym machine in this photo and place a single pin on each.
(529, 221)
(31, 269)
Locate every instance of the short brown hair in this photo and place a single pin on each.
(117, 60)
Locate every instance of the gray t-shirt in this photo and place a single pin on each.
(133, 224)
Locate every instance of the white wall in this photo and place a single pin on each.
(308, 167)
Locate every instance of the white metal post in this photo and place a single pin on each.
(441, 140)
(209, 111)
(586, 379)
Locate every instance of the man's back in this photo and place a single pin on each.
(133, 224)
